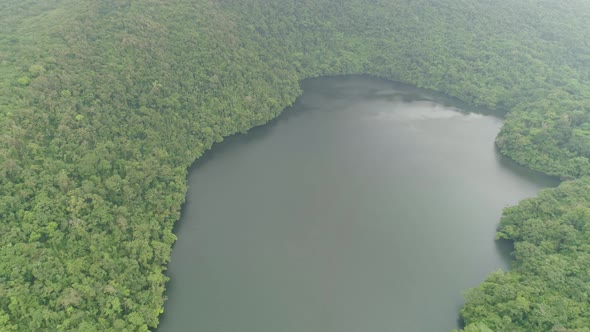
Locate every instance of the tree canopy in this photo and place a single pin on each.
(104, 105)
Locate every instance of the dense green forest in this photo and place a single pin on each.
(104, 105)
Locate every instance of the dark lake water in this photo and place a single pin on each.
(369, 206)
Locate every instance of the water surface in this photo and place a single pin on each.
(369, 206)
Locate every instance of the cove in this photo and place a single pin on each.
(367, 206)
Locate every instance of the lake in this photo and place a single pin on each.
(368, 206)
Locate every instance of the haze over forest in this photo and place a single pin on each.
(105, 104)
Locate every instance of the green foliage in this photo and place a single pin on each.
(548, 287)
(105, 104)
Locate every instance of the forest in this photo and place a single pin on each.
(104, 105)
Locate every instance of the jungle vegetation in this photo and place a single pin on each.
(104, 104)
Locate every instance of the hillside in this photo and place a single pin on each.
(105, 104)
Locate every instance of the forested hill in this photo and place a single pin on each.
(104, 104)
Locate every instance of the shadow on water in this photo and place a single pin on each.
(460, 321)
(505, 248)
(526, 173)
